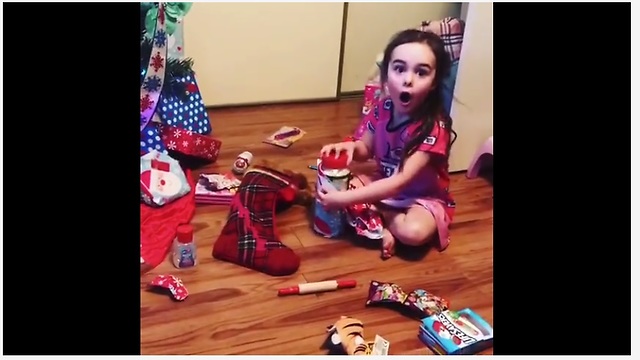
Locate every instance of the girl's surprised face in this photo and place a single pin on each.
(410, 78)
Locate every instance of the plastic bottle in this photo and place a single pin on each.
(184, 248)
(332, 173)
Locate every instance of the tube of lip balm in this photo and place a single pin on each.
(316, 287)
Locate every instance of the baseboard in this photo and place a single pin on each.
(351, 94)
(267, 103)
(343, 96)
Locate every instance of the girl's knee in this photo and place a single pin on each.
(415, 233)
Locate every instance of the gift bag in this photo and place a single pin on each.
(185, 112)
(161, 179)
(151, 139)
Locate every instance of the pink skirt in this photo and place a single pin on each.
(438, 208)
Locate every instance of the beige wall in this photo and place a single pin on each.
(371, 25)
(264, 52)
(473, 114)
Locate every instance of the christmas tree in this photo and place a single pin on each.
(177, 69)
(173, 118)
(174, 129)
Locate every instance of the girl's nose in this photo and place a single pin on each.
(408, 79)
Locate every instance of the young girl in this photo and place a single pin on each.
(410, 137)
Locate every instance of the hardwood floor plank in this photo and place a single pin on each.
(234, 310)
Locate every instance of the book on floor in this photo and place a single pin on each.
(216, 189)
(460, 332)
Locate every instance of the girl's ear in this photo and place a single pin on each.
(384, 89)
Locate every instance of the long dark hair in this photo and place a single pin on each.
(432, 109)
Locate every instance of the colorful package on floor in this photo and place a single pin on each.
(419, 303)
(161, 179)
(456, 333)
(216, 189)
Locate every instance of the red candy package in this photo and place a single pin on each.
(419, 303)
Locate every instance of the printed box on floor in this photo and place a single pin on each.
(456, 332)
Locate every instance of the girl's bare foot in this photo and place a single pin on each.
(388, 244)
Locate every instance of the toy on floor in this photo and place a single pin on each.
(346, 336)
(316, 287)
(242, 163)
(418, 303)
(456, 333)
(285, 137)
(249, 238)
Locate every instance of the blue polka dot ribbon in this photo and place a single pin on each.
(154, 75)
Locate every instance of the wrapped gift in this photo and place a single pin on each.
(161, 179)
(186, 112)
(372, 94)
(150, 139)
(190, 143)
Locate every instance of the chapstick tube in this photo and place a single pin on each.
(317, 287)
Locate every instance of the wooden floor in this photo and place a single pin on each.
(233, 310)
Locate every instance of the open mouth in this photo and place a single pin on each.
(405, 98)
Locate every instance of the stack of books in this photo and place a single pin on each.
(216, 189)
(460, 332)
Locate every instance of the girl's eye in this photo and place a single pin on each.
(422, 72)
(398, 68)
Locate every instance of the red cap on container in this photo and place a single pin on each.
(331, 162)
(185, 234)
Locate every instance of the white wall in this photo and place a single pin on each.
(473, 114)
(264, 52)
(371, 25)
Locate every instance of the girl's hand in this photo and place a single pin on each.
(349, 147)
(332, 199)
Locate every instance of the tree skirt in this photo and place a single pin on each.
(158, 226)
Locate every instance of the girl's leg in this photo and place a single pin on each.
(415, 227)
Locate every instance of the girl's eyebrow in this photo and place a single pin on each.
(402, 62)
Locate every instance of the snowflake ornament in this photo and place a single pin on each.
(157, 62)
(152, 83)
(145, 103)
(160, 38)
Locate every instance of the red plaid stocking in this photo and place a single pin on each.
(249, 237)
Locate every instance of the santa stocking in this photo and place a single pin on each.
(249, 237)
